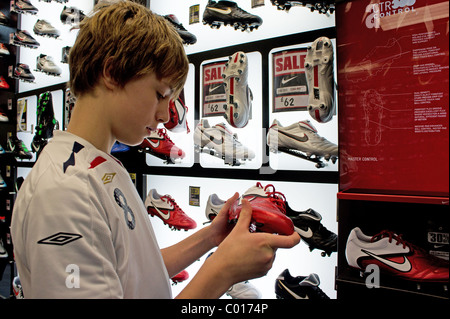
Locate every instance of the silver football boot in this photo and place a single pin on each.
(44, 28)
(301, 139)
(219, 141)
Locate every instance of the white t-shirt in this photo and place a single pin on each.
(80, 229)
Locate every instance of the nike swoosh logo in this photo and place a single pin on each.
(284, 81)
(153, 144)
(223, 11)
(404, 266)
(302, 139)
(181, 119)
(307, 234)
(213, 88)
(291, 292)
(165, 216)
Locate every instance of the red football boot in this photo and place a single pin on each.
(181, 276)
(394, 256)
(160, 145)
(268, 210)
(168, 210)
(178, 117)
(3, 83)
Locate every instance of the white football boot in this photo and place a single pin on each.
(238, 94)
(320, 79)
(213, 206)
(219, 141)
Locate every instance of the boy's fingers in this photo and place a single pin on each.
(245, 215)
(228, 203)
(284, 241)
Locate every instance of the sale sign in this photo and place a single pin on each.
(290, 90)
(214, 96)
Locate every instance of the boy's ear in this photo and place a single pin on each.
(107, 77)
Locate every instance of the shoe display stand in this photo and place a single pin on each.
(8, 100)
(393, 165)
(20, 101)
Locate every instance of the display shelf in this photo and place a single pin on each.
(352, 286)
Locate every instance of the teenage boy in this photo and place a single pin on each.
(79, 228)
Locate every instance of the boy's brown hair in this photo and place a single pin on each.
(135, 41)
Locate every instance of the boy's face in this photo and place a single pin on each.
(142, 104)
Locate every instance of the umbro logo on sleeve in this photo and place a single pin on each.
(60, 239)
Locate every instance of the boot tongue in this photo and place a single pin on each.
(313, 214)
(307, 125)
(256, 190)
(311, 281)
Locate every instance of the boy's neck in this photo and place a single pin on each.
(89, 121)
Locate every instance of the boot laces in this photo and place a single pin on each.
(163, 133)
(275, 197)
(170, 200)
(391, 235)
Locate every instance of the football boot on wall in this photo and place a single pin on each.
(186, 36)
(228, 13)
(3, 83)
(395, 257)
(243, 290)
(22, 72)
(44, 28)
(3, 252)
(18, 148)
(219, 141)
(23, 38)
(178, 117)
(168, 211)
(302, 140)
(268, 210)
(24, 6)
(3, 19)
(2, 185)
(65, 54)
(45, 64)
(3, 49)
(308, 225)
(238, 94)
(213, 206)
(323, 6)
(320, 79)
(160, 145)
(17, 288)
(45, 122)
(300, 287)
(71, 15)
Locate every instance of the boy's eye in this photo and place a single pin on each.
(159, 96)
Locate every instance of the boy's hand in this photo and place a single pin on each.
(245, 255)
